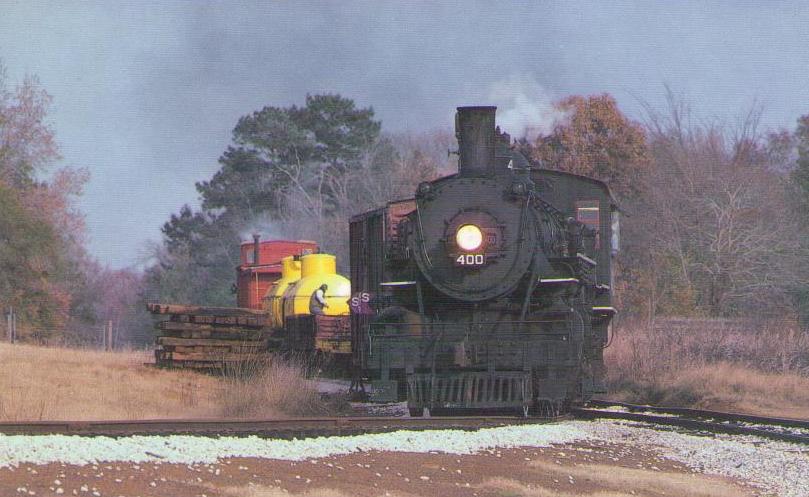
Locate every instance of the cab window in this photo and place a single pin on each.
(589, 214)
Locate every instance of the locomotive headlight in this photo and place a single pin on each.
(469, 237)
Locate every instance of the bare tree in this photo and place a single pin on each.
(724, 238)
(319, 201)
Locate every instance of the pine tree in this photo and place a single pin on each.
(278, 154)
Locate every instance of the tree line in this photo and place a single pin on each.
(715, 220)
(296, 173)
(57, 292)
(714, 215)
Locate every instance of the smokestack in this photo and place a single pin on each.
(256, 245)
(474, 129)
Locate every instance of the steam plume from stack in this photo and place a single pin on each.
(525, 109)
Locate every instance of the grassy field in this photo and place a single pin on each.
(762, 371)
(755, 369)
(46, 383)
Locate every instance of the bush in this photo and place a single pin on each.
(267, 386)
(711, 363)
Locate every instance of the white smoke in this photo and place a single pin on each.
(266, 227)
(525, 109)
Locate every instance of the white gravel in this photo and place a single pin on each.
(778, 468)
(16, 450)
(332, 385)
(394, 409)
(624, 409)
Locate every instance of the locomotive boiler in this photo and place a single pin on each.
(490, 289)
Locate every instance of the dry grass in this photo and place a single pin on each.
(762, 369)
(614, 481)
(47, 383)
(267, 386)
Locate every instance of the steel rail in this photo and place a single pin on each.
(706, 414)
(722, 422)
(286, 428)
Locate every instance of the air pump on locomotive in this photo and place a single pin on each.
(490, 289)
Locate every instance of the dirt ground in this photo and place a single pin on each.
(596, 470)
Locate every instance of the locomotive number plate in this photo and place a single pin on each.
(470, 260)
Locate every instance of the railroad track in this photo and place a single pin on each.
(700, 420)
(270, 428)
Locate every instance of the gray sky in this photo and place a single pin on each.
(146, 94)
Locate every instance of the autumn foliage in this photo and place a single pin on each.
(713, 215)
(599, 141)
(711, 279)
(711, 225)
(46, 276)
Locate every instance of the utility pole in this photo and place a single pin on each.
(109, 336)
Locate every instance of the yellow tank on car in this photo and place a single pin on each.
(273, 301)
(317, 270)
(329, 329)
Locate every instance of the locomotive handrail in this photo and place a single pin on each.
(421, 235)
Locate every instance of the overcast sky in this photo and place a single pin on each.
(146, 94)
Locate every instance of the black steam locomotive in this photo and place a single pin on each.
(491, 289)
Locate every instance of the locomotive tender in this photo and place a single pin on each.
(491, 289)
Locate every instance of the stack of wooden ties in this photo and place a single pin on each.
(208, 337)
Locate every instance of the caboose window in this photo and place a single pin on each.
(589, 214)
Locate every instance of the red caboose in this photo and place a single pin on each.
(261, 265)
